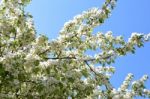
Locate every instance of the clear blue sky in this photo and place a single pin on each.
(128, 16)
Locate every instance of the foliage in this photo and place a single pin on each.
(36, 68)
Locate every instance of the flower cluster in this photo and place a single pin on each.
(31, 66)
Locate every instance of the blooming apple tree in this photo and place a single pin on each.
(32, 67)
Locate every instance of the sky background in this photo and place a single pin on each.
(128, 16)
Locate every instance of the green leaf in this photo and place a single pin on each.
(85, 73)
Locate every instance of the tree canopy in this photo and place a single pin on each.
(33, 67)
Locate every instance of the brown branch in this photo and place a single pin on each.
(44, 51)
(102, 76)
(91, 59)
(61, 58)
(86, 62)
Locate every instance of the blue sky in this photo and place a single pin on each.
(128, 16)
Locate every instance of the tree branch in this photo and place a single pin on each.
(108, 87)
(106, 82)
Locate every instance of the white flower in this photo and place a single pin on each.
(114, 91)
(69, 35)
(111, 52)
(94, 10)
(130, 75)
(135, 34)
(146, 91)
(108, 33)
(40, 40)
(29, 22)
(116, 97)
(134, 82)
(18, 11)
(128, 95)
(145, 77)
(44, 64)
(31, 57)
(108, 75)
(78, 17)
(147, 37)
(85, 81)
(119, 38)
(1, 59)
(109, 36)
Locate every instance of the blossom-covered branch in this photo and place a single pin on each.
(31, 66)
